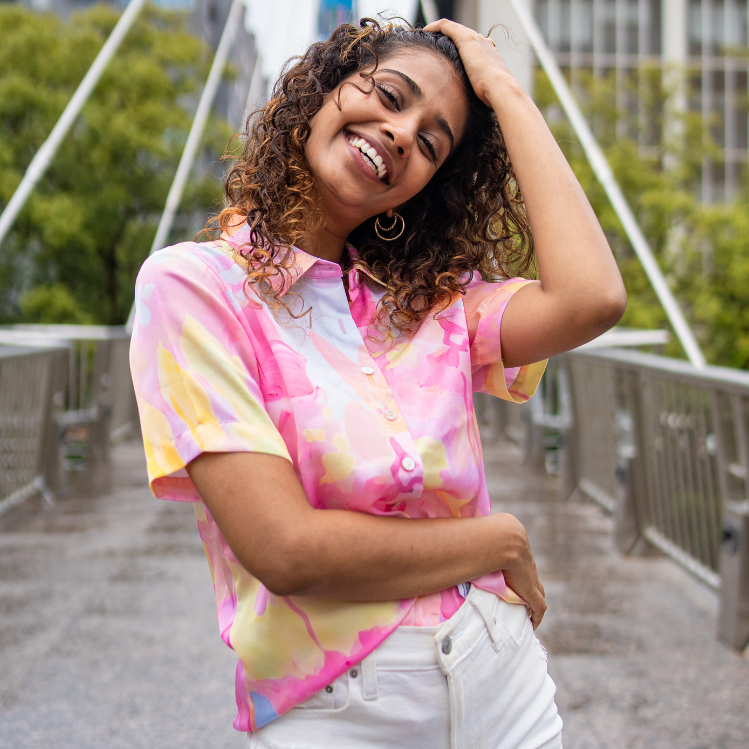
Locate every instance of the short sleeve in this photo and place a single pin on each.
(485, 304)
(194, 370)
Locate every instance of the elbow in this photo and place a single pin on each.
(612, 307)
(604, 309)
(284, 583)
(283, 570)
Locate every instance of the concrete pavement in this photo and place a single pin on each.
(631, 641)
(108, 634)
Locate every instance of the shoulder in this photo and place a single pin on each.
(210, 264)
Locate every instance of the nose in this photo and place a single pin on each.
(401, 133)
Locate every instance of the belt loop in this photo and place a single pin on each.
(485, 604)
(369, 677)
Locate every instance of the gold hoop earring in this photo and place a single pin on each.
(378, 227)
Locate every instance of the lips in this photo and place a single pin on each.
(374, 156)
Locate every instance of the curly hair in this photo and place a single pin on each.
(469, 217)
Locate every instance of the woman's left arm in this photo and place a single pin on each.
(580, 293)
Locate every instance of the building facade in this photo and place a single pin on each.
(704, 39)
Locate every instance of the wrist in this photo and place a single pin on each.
(510, 541)
(505, 93)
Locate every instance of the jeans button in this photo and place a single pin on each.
(354, 673)
(329, 689)
(447, 645)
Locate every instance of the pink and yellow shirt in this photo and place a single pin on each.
(377, 425)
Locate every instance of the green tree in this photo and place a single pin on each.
(656, 154)
(78, 243)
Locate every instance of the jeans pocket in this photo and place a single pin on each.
(332, 697)
(514, 621)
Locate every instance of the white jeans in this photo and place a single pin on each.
(477, 681)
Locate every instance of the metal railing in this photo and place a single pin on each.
(32, 383)
(96, 401)
(664, 446)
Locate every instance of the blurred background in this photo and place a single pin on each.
(630, 468)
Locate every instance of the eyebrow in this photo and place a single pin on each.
(418, 94)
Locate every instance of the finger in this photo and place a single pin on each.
(537, 616)
(436, 25)
(538, 610)
(448, 28)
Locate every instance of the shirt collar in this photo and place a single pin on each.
(303, 264)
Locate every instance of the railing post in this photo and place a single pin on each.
(532, 445)
(568, 459)
(630, 469)
(51, 468)
(733, 616)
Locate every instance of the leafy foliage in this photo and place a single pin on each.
(656, 151)
(77, 245)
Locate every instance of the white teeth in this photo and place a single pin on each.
(375, 162)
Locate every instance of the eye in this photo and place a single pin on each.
(430, 147)
(391, 95)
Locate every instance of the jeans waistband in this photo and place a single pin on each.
(420, 647)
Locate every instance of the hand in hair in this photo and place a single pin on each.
(481, 60)
(580, 293)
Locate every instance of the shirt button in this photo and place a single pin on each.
(329, 689)
(356, 278)
(367, 370)
(447, 645)
(390, 415)
(408, 463)
(354, 673)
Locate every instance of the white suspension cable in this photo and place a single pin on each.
(196, 133)
(198, 126)
(605, 176)
(43, 157)
(194, 137)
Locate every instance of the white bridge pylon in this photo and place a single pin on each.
(43, 157)
(605, 176)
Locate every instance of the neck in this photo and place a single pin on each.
(324, 243)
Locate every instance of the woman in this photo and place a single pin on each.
(322, 355)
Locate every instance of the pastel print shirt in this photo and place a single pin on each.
(377, 425)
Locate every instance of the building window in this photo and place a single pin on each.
(541, 11)
(694, 28)
(631, 27)
(739, 110)
(654, 30)
(609, 26)
(582, 27)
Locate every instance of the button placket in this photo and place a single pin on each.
(408, 463)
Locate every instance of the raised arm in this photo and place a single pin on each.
(580, 293)
(294, 549)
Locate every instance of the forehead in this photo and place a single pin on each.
(442, 89)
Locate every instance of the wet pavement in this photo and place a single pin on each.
(631, 641)
(108, 634)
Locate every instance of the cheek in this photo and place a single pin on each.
(322, 129)
(419, 177)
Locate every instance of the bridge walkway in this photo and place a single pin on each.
(108, 634)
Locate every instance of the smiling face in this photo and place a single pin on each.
(370, 152)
